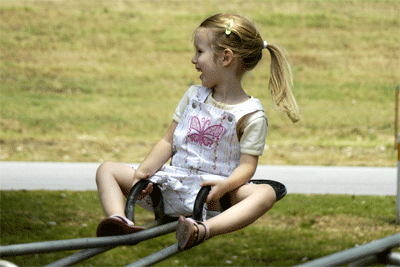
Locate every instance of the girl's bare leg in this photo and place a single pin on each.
(249, 202)
(114, 181)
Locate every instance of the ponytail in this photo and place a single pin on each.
(280, 84)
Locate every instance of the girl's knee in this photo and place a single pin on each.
(263, 194)
(104, 168)
(268, 194)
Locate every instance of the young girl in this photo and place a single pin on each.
(216, 136)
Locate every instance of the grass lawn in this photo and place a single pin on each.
(86, 80)
(298, 228)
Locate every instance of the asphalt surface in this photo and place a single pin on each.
(298, 179)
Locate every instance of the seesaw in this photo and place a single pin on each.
(163, 224)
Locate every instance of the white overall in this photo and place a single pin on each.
(205, 147)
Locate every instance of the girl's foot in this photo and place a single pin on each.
(191, 233)
(117, 225)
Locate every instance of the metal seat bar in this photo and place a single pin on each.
(79, 257)
(82, 243)
(157, 256)
(89, 253)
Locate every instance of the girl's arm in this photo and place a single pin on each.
(241, 175)
(158, 155)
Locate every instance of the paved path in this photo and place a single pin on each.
(298, 179)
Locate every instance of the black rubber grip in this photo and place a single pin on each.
(156, 198)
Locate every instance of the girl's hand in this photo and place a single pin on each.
(218, 189)
(141, 176)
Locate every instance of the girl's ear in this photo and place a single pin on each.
(227, 57)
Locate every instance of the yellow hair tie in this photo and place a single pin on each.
(228, 29)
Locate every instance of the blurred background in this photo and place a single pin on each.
(88, 81)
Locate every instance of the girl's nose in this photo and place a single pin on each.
(194, 60)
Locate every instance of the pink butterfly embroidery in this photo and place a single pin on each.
(203, 134)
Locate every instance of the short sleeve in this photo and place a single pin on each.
(180, 109)
(252, 141)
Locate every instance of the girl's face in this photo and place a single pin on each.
(204, 59)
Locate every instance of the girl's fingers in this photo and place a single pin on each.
(206, 183)
(146, 191)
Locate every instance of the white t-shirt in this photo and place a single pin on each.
(251, 129)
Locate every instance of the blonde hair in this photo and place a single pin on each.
(247, 44)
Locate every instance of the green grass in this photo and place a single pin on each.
(93, 81)
(298, 228)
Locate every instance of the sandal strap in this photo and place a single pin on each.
(125, 220)
(206, 234)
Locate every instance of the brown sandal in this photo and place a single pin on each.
(187, 235)
(116, 225)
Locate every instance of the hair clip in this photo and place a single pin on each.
(228, 29)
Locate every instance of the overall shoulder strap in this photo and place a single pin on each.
(202, 94)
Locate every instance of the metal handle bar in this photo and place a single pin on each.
(158, 202)
(156, 198)
(199, 203)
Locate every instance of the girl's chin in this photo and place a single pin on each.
(204, 83)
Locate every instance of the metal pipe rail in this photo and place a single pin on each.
(83, 243)
(378, 249)
(79, 257)
(157, 257)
